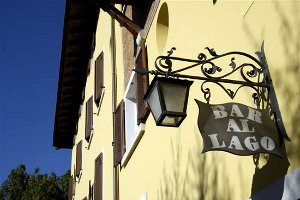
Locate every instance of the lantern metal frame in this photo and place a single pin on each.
(264, 93)
(162, 100)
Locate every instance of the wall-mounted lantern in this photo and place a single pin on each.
(167, 95)
(167, 99)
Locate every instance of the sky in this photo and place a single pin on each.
(30, 45)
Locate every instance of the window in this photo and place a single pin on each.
(98, 178)
(99, 79)
(162, 27)
(79, 159)
(74, 137)
(90, 195)
(74, 182)
(136, 110)
(119, 141)
(133, 130)
(89, 119)
(93, 45)
(70, 192)
(142, 83)
(81, 105)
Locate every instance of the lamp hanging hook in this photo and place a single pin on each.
(207, 95)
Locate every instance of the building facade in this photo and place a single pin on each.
(118, 151)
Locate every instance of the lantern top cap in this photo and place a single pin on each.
(157, 79)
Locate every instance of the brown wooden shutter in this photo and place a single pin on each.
(78, 158)
(98, 178)
(93, 44)
(83, 95)
(74, 181)
(119, 131)
(70, 192)
(99, 78)
(142, 83)
(92, 52)
(81, 103)
(89, 118)
(90, 197)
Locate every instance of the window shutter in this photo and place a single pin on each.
(92, 53)
(90, 197)
(142, 84)
(74, 181)
(98, 179)
(99, 78)
(89, 190)
(119, 131)
(93, 45)
(83, 95)
(81, 103)
(70, 192)
(78, 158)
(89, 118)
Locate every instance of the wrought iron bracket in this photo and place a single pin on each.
(254, 73)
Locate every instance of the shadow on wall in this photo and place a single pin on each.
(286, 83)
(197, 178)
(286, 78)
(290, 89)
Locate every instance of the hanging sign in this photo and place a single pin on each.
(237, 129)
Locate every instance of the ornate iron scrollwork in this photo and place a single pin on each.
(254, 74)
(211, 71)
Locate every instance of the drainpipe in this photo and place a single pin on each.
(113, 61)
(114, 101)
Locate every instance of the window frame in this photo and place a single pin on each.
(90, 100)
(98, 100)
(81, 167)
(101, 154)
(70, 188)
(135, 135)
(91, 191)
(142, 84)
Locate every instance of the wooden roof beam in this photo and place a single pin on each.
(124, 21)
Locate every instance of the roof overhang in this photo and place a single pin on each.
(80, 23)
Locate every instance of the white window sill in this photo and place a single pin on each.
(80, 174)
(139, 132)
(101, 99)
(90, 140)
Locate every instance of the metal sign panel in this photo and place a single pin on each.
(237, 129)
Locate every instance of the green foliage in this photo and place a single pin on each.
(22, 186)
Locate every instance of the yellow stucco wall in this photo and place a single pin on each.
(167, 163)
(102, 119)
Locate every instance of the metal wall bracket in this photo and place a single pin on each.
(254, 74)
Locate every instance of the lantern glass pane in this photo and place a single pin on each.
(154, 103)
(174, 96)
(171, 121)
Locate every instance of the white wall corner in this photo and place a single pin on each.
(141, 38)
